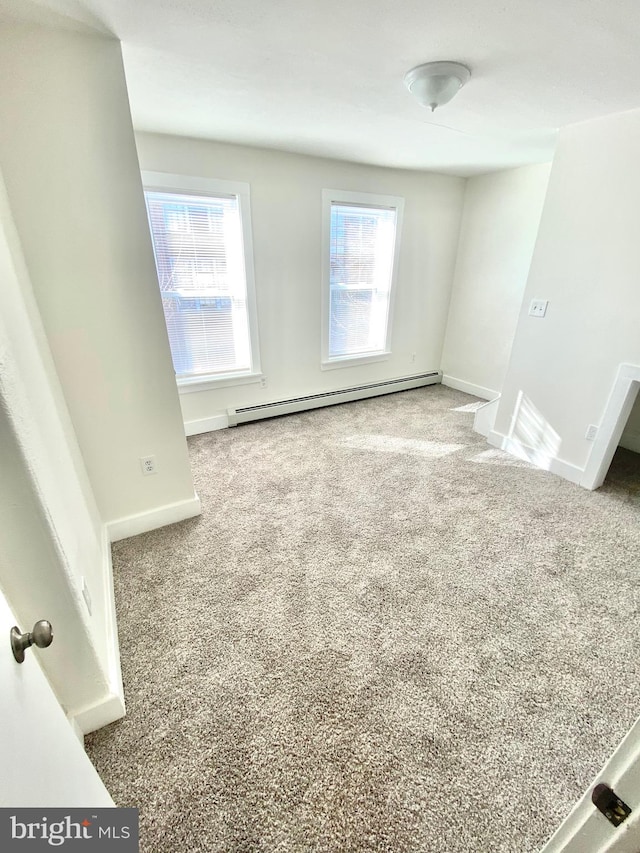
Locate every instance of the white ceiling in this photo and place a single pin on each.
(324, 77)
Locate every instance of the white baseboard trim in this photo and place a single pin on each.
(206, 425)
(485, 417)
(469, 387)
(132, 525)
(111, 623)
(558, 466)
(101, 713)
(567, 470)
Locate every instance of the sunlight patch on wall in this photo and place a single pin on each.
(531, 436)
(392, 444)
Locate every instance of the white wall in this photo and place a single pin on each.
(286, 206)
(499, 227)
(587, 264)
(68, 156)
(51, 535)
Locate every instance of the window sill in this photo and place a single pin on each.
(211, 383)
(354, 361)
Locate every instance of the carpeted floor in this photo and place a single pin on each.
(381, 635)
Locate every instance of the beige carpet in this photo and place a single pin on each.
(381, 635)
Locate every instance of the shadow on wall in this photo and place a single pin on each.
(531, 436)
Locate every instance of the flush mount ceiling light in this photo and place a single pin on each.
(435, 83)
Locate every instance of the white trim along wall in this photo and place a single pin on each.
(469, 387)
(132, 525)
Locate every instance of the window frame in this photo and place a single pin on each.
(215, 188)
(357, 199)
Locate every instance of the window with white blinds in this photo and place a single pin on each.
(361, 233)
(199, 246)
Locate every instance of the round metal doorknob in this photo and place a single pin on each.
(41, 636)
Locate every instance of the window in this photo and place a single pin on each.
(202, 245)
(361, 236)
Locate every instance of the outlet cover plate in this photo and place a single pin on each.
(148, 465)
(538, 307)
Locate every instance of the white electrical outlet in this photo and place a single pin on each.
(263, 382)
(591, 433)
(86, 595)
(538, 307)
(413, 357)
(148, 464)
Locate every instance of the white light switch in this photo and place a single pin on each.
(538, 307)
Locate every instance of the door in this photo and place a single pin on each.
(586, 830)
(42, 762)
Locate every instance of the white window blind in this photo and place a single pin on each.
(361, 246)
(199, 255)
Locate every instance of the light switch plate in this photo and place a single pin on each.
(538, 307)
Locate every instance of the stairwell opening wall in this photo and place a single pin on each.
(631, 435)
(499, 227)
(587, 264)
(286, 210)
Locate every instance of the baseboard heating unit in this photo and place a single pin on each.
(330, 398)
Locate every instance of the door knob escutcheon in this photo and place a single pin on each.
(41, 636)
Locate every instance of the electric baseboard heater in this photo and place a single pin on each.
(330, 398)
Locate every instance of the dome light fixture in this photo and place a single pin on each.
(435, 83)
